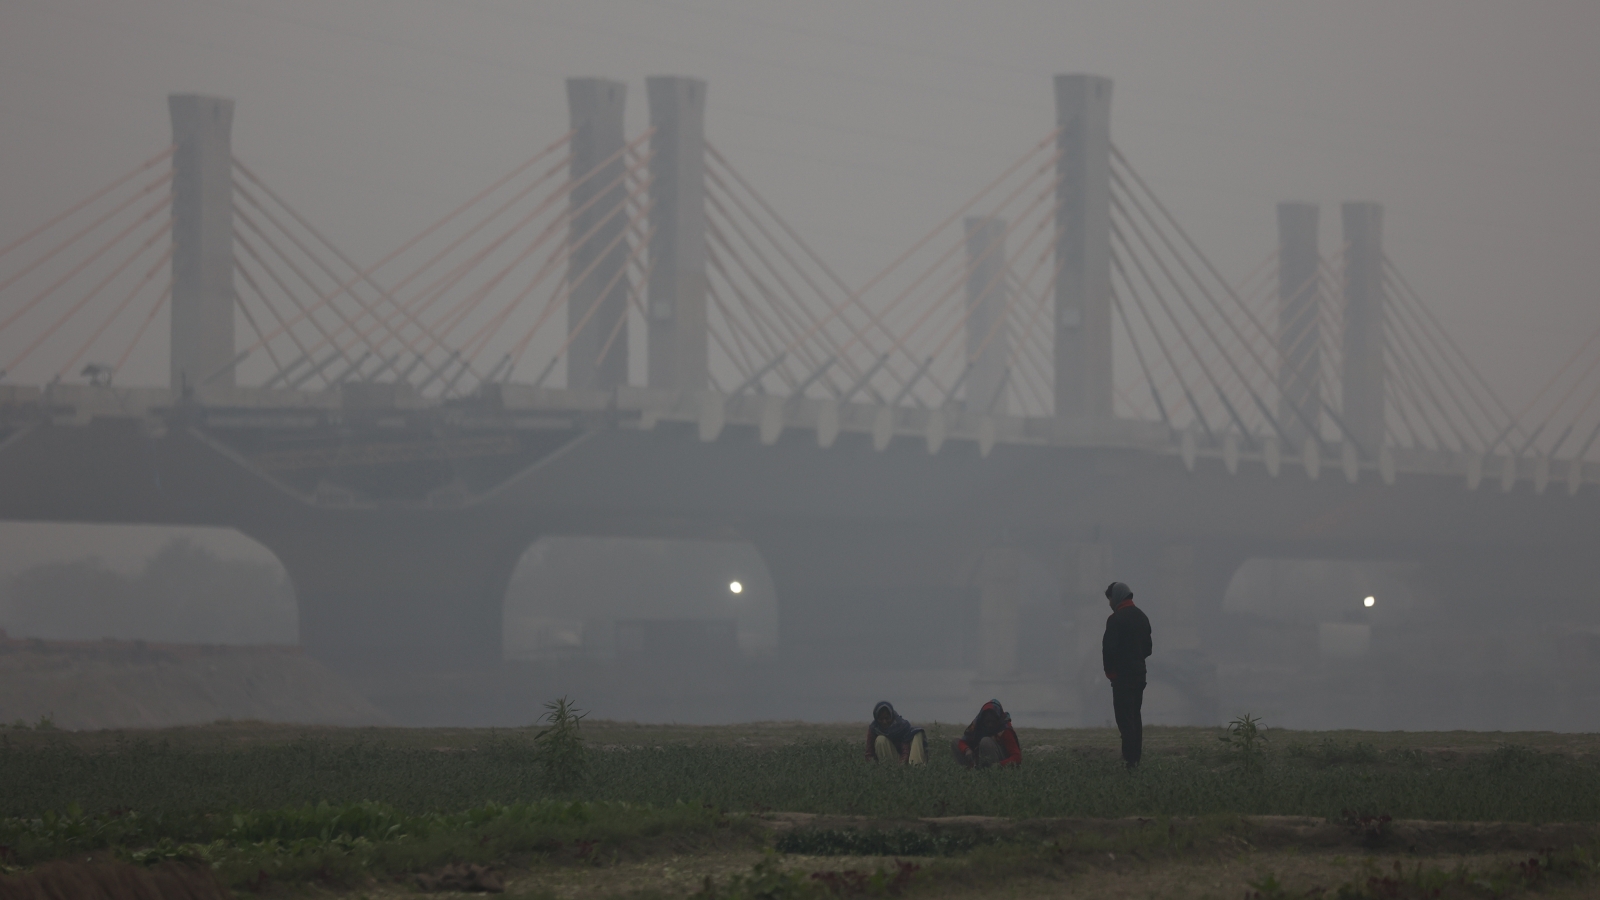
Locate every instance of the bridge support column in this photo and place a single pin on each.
(988, 337)
(1083, 247)
(897, 601)
(1299, 329)
(1364, 325)
(597, 302)
(379, 591)
(202, 242)
(999, 603)
(678, 356)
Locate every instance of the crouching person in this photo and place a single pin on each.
(989, 740)
(891, 738)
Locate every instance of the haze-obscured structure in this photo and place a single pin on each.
(1390, 110)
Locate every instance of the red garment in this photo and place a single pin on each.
(1008, 741)
(1007, 736)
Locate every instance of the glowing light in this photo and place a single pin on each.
(1369, 602)
(737, 588)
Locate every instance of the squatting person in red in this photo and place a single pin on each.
(1123, 651)
(989, 740)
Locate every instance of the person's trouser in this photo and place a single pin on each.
(989, 752)
(1127, 699)
(884, 749)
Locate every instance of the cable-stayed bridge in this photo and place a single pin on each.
(623, 336)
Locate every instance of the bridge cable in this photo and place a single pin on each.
(62, 216)
(785, 318)
(562, 253)
(446, 219)
(1193, 308)
(366, 309)
(99, 286)
(1439, 329)
(757, 327)
(116, 313)
(161, 300)
(714, 205)
(964, 319)
(283, 371)
(1410, 316)
(1116, 262)
(85, 263)
(1409, 332)
(852, 296)
(1156, 259)
(982, 192)
(991, 248)
(573, 331)
(304, 223)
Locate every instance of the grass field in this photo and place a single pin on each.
(759, 809)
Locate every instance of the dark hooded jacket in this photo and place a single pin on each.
(900, 732)
(1002, 732)
(1126, 644)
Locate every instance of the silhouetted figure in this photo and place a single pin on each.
(989, 740)
(890, 737)
(1123, 650)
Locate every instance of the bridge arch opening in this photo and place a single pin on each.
(1458, 642)
(605, 599)
(159, 584)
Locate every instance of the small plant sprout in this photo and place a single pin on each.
(560, 747)
(1246, 736)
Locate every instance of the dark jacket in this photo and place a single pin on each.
(1126, 643)
(1003, 733)
(900, 732)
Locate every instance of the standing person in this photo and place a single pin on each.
(989, 740)
(1123, 650)
(891, 737)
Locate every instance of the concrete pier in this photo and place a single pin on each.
(202, 242)
(1299, 329)
(988, 333)
(379, 591)
(598, 301)
(1083, 247)
(1364, 315)
(678, 287)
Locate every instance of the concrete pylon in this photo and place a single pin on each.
(999, 601)
(1364, 315)
(597, 301)
(1083, 247)
(1299, 328)
(678, 356)
(988, 337)
(202, 242)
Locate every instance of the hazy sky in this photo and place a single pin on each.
(1476, 124)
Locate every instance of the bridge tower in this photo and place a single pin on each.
(600, 250)
(202, 241)
(678, 357)
(1083, 246)
(988, 337)
(1299, 329)
(1364, 314)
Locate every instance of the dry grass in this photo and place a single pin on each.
(104, 879)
